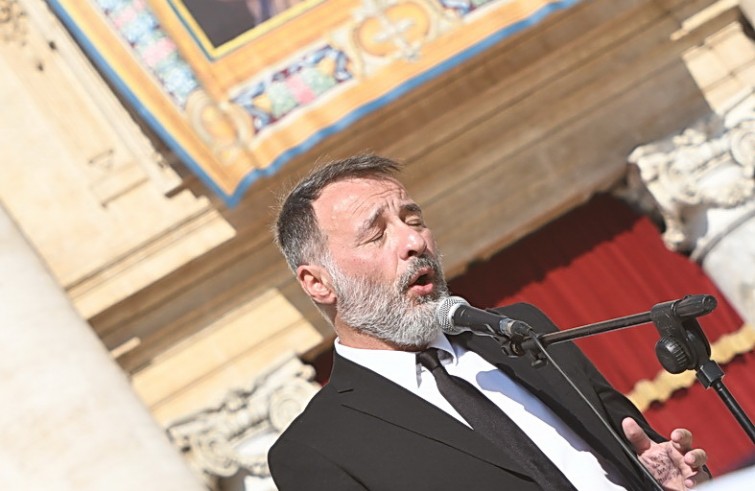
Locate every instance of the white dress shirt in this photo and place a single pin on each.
(570, 453)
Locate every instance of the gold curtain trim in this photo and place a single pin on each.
(659, 389)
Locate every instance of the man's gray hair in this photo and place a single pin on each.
(297, 232)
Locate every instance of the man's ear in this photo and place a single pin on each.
(315, 281)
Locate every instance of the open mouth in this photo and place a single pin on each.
(422, 281)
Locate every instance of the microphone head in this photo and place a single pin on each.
(444, 314)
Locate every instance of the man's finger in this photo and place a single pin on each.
(682, 439)
(636, 435)
(699, 477)
(696, 458)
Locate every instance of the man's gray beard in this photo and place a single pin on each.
(385, 311)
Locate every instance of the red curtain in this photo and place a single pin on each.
(603, 261)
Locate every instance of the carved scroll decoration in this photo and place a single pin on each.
(213, 439)
(709, 166)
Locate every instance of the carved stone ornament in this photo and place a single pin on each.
(703, 179)
(234, 436)
(12, 22)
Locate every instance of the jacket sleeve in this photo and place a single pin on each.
(616, 404)
(296, 466)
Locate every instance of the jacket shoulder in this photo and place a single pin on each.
(317, 414)
(530, 314)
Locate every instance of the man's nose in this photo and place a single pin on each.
(413, 243)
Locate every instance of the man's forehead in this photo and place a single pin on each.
(351, 195)
(349, 202)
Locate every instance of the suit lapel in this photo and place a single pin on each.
(363, 390)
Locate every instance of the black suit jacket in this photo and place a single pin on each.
(362, 431)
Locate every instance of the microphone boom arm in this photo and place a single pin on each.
(683, 345)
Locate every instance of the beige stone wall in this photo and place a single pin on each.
(227, 354)
(723, 64)
(83, 181)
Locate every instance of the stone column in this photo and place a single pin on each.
(702, 182)
(69, 419)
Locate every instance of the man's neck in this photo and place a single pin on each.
(348, 336)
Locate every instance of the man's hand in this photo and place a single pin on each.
(674, 464)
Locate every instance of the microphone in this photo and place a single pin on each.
(455, 315)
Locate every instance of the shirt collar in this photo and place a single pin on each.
(449, 353)
(400, 367)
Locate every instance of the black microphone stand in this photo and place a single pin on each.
(682, 346)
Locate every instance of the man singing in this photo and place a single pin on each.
(410, 408)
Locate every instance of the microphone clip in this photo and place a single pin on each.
(683, 345)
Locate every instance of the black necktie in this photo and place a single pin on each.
(488, 420)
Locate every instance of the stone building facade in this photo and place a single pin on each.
(190, 297)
